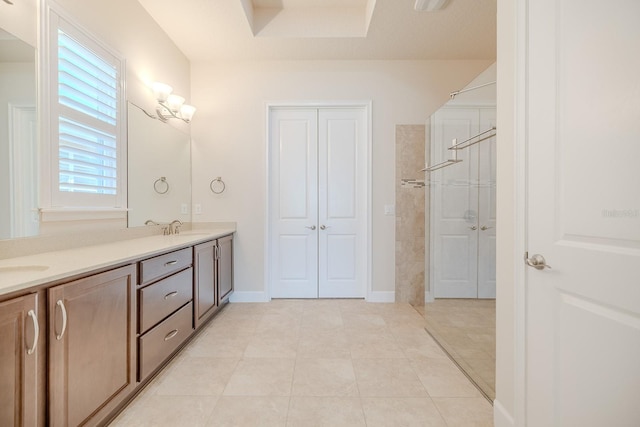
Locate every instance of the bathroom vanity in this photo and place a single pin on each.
(83, 330)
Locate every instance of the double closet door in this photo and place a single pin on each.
(318, 196)
(463, 206)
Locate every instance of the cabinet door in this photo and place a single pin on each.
(204, 284)
(225, 267)
(92, 349)
(18, 361)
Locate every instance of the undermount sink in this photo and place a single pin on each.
(23, 268)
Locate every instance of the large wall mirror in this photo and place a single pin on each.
(159, 158)
(18, 138)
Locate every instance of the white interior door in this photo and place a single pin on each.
(318, 202)
(454, 201)
(342, 262)
(487, 208)
(583, 137)
(294, 204)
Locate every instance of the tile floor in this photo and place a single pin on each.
(311, 363)
(466, 328)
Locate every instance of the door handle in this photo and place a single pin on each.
(36, 332)
(324, 227)
(537, 261)
(313, 227)
(60, 304)
(473, 227)
(484, 227)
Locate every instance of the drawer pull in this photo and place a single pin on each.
(171, 335)
(171, 262)
(60, 304)
(171, 294)
(36, 331)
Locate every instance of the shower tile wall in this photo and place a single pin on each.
(410, 214)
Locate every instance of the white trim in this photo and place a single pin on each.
(520, 201)
(249, 297)
(79, 214)
(501, 418)
(367, 105)
(381, 296)
(428, 297)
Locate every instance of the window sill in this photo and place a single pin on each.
(80, 214)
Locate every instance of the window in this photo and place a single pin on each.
(86, 121)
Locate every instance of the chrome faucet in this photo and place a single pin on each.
(174, 227)
(151, 222)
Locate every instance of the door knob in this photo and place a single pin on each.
(484, 227)
(324, 227)
(313, 227)
(537, 261)
(473, 228)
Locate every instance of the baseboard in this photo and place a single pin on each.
(501, 417)
(428, 297)
(382, 296)
(249, 297)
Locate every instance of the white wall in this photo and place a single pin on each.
(229, 138)
(20, 19)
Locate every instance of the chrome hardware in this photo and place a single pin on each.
(537, 261)
(151, 222)
(171, 294)
(473, 227)
(171, 335)
(313, 227)
(36, 331)
(484, 228)
(174, 262)
(324, 227)
(161, 185)
(60, 304)
(216, 252)
(174, 227)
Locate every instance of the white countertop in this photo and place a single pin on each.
(20, 274)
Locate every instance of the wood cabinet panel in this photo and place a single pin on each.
(19, 361)
(162, 298)
(225, 268)
(160, 342)
(205, 299)
(163, 265)
(92, 349)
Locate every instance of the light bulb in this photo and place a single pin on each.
(161, 91)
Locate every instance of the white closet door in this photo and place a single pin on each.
(318, 202)
(342, 259)
(294, 207)
(454, 198)
(487, 209)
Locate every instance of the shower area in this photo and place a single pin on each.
(445, 226)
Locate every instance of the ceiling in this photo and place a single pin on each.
(212, 30)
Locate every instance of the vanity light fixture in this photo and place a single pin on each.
(171, 106)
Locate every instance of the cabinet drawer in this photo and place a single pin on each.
(159, 300)
(158, 344)
(160, 266)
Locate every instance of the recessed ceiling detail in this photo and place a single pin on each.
(309, 18)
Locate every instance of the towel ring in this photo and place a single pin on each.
(157, 185)
(219, 188)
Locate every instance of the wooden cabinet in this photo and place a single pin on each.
(19, 338)
(204, 283)
(92, 351)
(165, 313)
(225, 268)
(213, 278)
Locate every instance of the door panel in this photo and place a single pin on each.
(583, 315)
(487, 208)
(294, 245)
(342, 211)
(454, 206)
